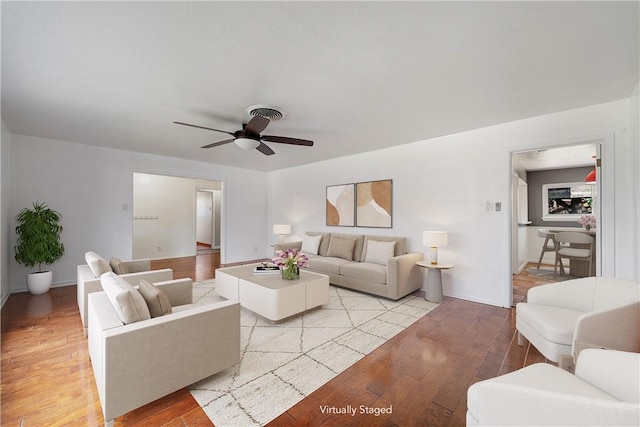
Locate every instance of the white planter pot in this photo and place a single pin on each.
(39, 283)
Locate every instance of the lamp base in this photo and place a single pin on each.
(433, 256)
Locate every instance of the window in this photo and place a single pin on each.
(567, 201)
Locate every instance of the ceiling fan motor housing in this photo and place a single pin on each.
(267, 111)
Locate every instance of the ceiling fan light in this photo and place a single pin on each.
(246, 143)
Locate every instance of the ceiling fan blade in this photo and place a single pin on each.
(264, 149)
(286, 140)
(215, 144)
(203, 127)
(256, 125)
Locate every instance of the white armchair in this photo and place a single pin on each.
(139, 362)
(88, 277)
(603, 392)
(560, 319)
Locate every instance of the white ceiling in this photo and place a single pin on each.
(352, 76)
(558, 158)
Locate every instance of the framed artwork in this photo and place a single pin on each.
(340, 205)
(373, 204)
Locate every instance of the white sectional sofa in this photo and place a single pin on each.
(605, 391)
(137, 358)
(377, 265)
(88, 277)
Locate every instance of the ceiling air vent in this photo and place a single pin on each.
(267, 111)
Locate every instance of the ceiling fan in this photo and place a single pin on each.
(249, 136)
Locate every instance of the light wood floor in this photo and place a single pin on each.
(424, 372)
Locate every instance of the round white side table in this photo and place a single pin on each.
(434, 279)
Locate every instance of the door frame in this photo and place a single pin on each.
(605, 243)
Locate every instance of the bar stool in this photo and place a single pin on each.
(549, 244)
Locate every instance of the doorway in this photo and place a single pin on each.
(531, 170)
(208, 220)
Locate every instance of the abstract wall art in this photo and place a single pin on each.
(340, 205)
(373, 203)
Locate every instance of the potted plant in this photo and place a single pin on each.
(38, 231)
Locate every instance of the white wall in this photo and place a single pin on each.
(443, 184)
(164, 212)
(634, 132)
(89, 186)
(5, 249)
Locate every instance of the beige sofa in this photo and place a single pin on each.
(138, 358)
(88, 277)
(377, 265)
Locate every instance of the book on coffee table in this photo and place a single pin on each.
(266, 269)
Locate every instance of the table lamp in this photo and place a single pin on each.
(282, 230)
(434, 240)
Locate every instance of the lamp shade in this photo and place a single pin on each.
(282, 229)
(436, 239)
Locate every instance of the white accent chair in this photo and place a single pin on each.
(560, 319)
(605, 391)
(88, 278)
(139, 362)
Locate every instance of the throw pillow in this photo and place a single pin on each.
(341, 247)
(118, 266)
(379, 252)
(97, 264)
(156, 299)
(310, 244)
(125, 299)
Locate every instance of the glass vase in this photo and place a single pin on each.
(290, 273)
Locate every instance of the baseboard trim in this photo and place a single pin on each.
(24, 288)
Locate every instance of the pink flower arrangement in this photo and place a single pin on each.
(587, 221)
(290, 257)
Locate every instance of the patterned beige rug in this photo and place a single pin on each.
(284, 362)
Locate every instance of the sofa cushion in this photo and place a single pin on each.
(310, 244)
(118, 266)
(379, 252)
(97, 264)
(125, 299)
(341, 247)
(358, 243)
(368, 272)
(324, 241)
(157, 301)
(399, 249)
(327, 265)
(555, 324)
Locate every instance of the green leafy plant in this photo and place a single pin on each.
(38, 233)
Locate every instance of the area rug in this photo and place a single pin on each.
(547, 273)
(282, 363)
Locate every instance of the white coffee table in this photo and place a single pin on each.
(269, 295)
